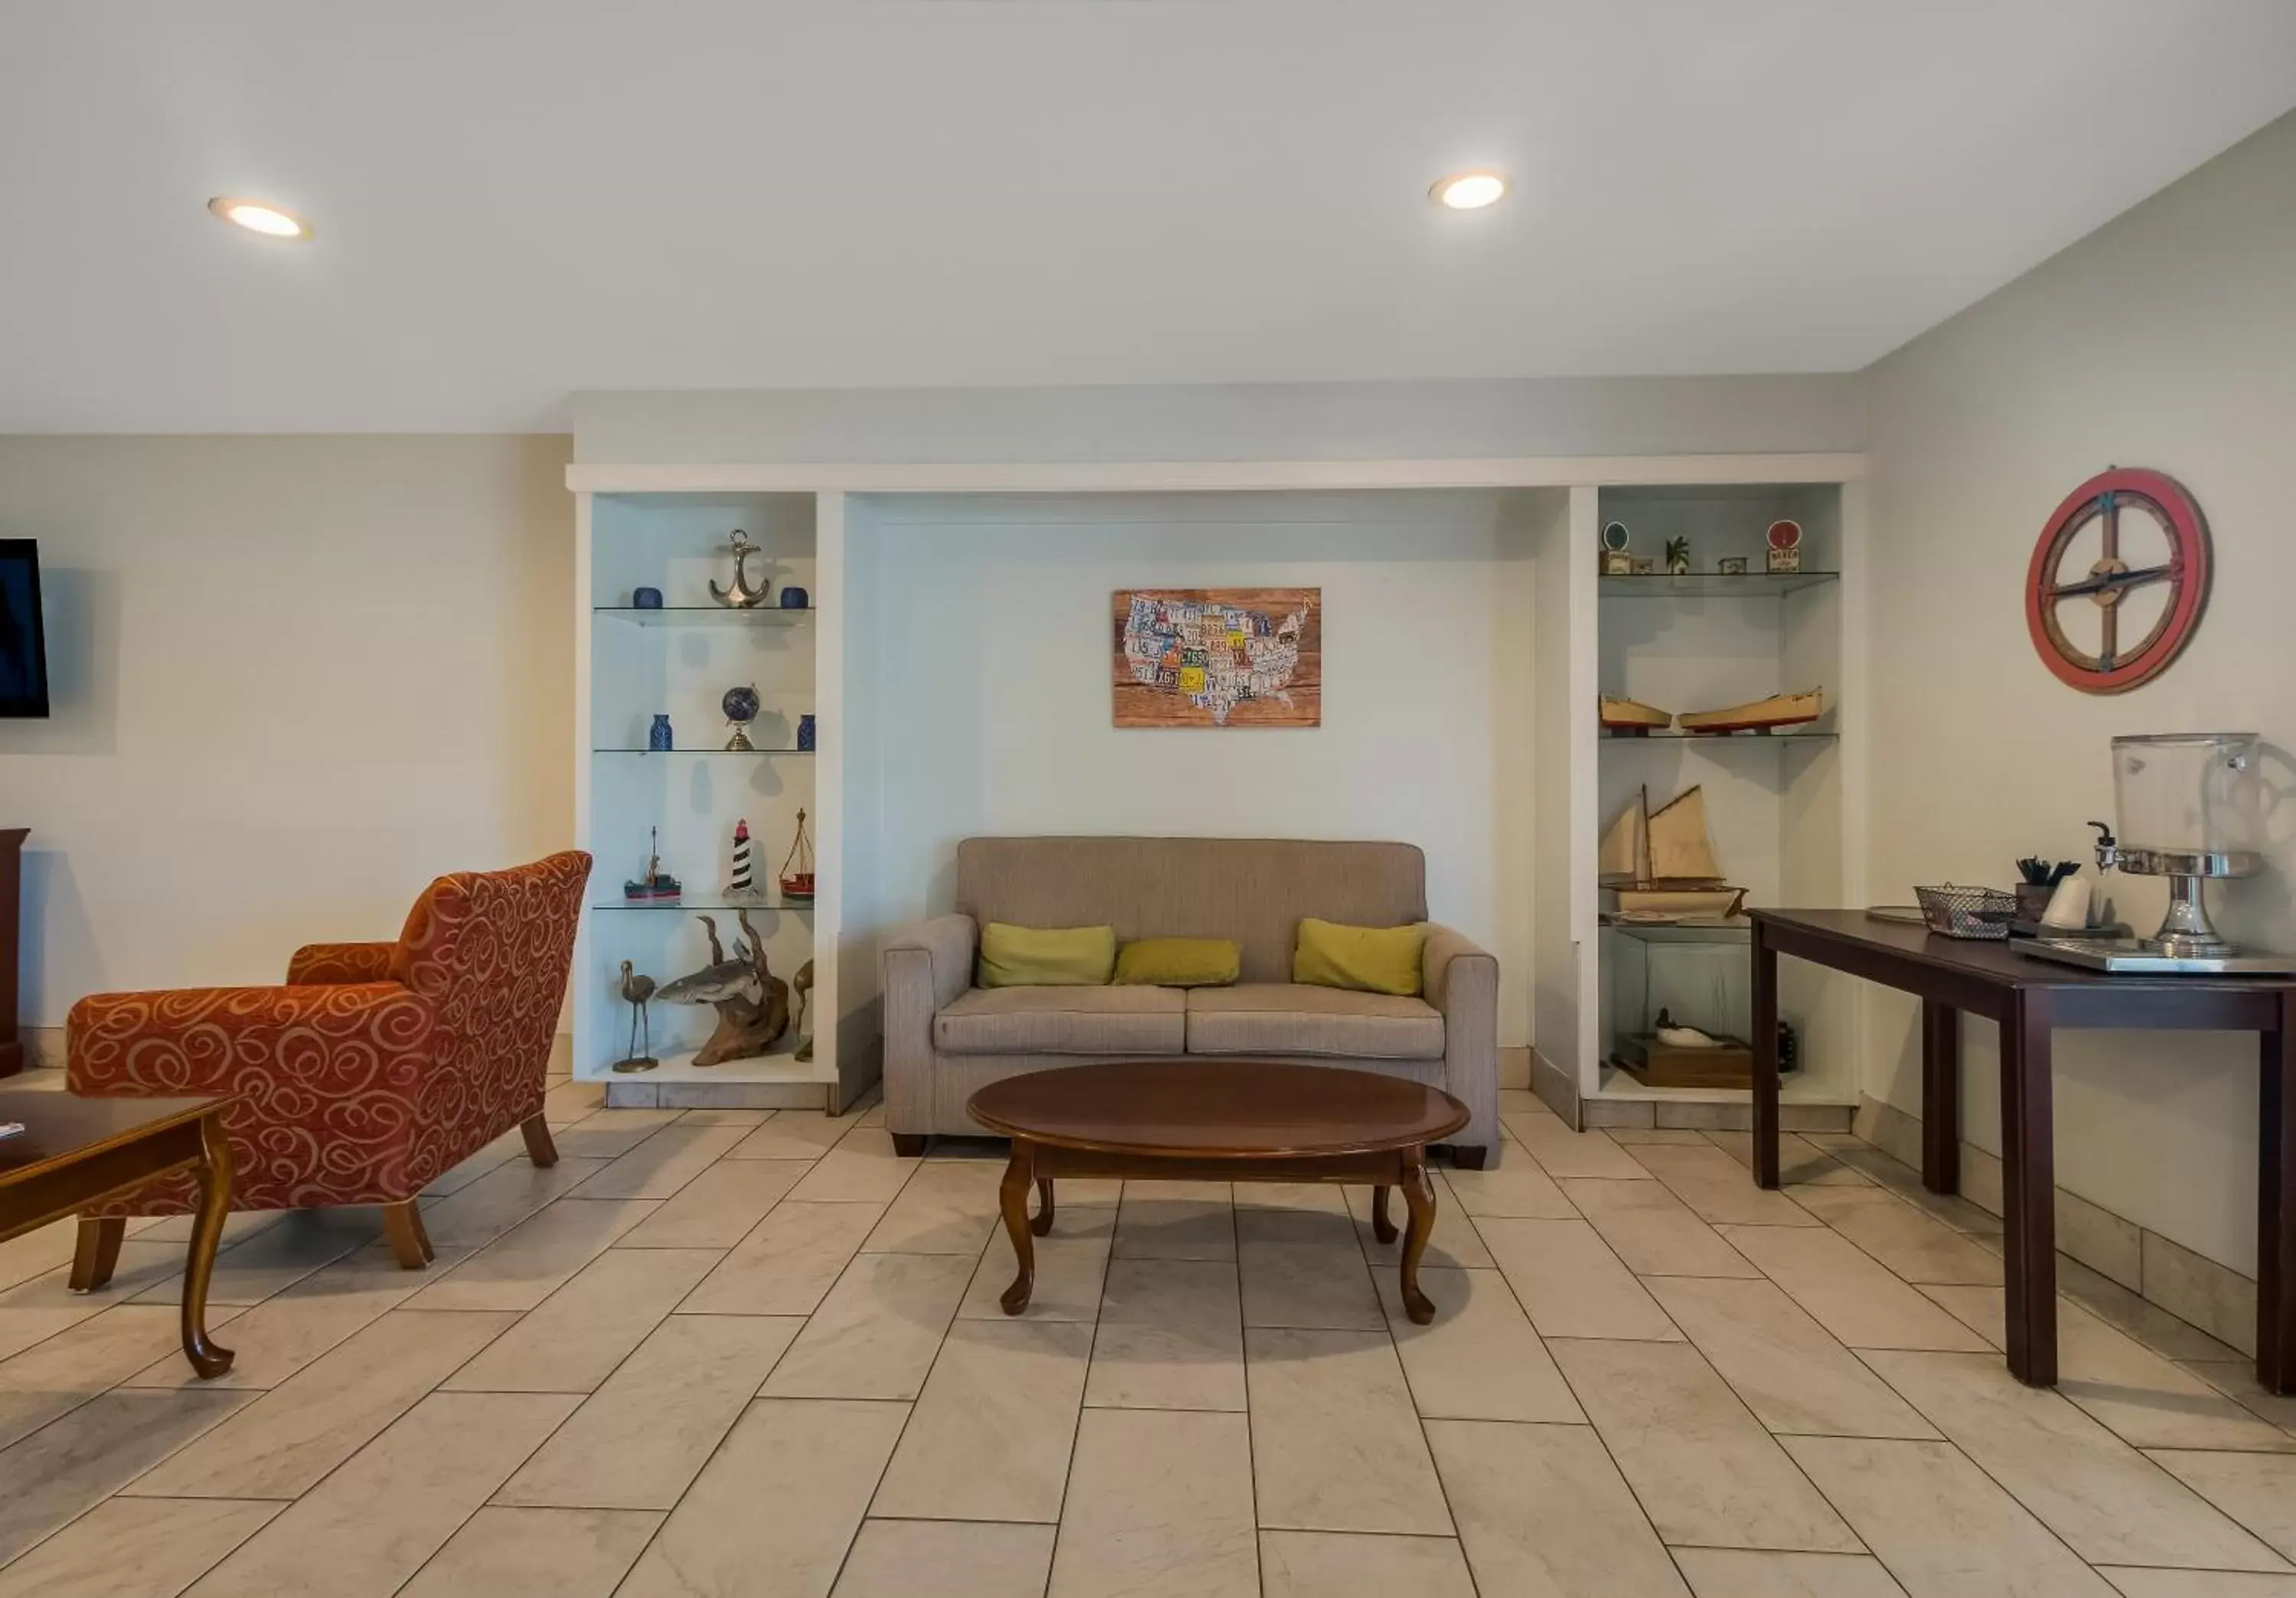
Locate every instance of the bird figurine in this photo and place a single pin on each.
(637, 991)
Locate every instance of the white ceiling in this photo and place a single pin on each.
(518, 200)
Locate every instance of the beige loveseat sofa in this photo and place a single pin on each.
(945, 1038)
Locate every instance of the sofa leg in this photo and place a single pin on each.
(909, 1145)
(540, 1149)
(1471, 1156)
(97, 1251)
(402, 1224)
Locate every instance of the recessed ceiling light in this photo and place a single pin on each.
(255, 216)
(1469, 191)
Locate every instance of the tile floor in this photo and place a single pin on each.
(733, 1352)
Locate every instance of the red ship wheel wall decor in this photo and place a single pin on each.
(2112, 597)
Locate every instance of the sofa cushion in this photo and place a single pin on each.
(1290, 1017)
(1064, 1020)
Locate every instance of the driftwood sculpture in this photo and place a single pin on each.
(753, 1007)
(802, 990)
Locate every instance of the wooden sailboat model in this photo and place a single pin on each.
(1661, 863)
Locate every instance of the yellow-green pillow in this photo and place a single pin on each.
(1179, 962)
(1366, 959)
(1046, 956)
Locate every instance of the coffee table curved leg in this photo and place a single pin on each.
(1043, 1223)
(1012, 1198)
(1381, 1227)
(1419, 1196)
(208, 1357)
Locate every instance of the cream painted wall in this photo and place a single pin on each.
(295, 679)
(2167, 339)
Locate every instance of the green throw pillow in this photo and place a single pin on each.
(1179, 962)
(1366, 959)
(1046, 956)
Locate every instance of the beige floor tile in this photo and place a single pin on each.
(792, 1135)
(1628, 1136)
(2140, 1318)
(1800, 1161)
(2259, 1490)
(658, 1168)
(1454, 1244)
(1308, 1284)
(949, 1206)
(1704, 1469)
(1885, 1171)
(2135, 1582)
(717, 1208)
(284, 1441)
(1172, 1220)
(282, 1334)
(78, 1460)
(238, 1227)
(575, 1337)
(1335, 1442)
(569, 1101)
(276, 1256)
(57, 1376)
(2110, 1502)
(725, 1118)
(1570, 1282)
(2148, 1400)
(1347, 1564)
(988, 1437)
(949, 1559)
(1515, 1188)
(862, 1168)
(1562, 1152)
(1542, 1509)
(142, 1267)
(1478, 1358)
(1158, 1506)
(775, 1511)
(1070, 1272)
(2236, 1380)
(500, 1199)
(1848, 1292)
(136, 1548)
(1653, 1232)
(1910, 1243)
(369, 1526)
(875, 1334)
(501, 1552)
(789, 1261)
(454, 1178)
(1941, 1524)
(1171, 1336)
(1718, 1188)
(611, 1133)
(1741, 1573)
(37, 1252)
(1293, 1212)
(536, 1258)
(1791, 1374)
(639, 1439)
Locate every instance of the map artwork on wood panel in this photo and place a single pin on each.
(1219, 657)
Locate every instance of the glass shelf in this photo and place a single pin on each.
(705, 616)
(1656, 931)
(1794, 734)
(761, 750)
(1711, 585)
(715, 903)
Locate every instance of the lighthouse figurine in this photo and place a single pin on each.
(743, 886)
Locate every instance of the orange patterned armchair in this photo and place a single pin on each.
(377, 1067)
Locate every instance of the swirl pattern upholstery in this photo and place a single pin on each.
(377, 1067)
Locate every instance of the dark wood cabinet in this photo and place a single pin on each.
(11, 947)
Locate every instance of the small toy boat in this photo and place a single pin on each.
(796, 869)
(656, 886)
(1761, 715)
(1632, 718)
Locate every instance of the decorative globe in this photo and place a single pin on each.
(740, 704)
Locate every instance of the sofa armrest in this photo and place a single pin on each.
(339, 1042)
(1462, 982)
(331, 963)
(923, 968)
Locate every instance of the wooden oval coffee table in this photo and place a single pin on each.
(1218, 1120)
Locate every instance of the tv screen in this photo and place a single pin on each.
(23, 648)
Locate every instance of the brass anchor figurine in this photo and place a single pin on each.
(740, 594)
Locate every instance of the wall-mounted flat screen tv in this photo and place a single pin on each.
(23, 648)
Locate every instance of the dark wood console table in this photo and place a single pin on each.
(11, 890)
(2028, 998)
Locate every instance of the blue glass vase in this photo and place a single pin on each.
(658, 735)
(805, 733)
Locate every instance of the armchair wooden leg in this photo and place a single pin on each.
(402, 1224)
(540, 1149)
(97, 1251)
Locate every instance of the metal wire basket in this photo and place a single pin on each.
(1967, 912)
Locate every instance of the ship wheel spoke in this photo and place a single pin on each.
(2109, 581)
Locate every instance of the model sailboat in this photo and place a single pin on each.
(1661, 863)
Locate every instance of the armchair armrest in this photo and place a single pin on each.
(948, 944)
(924, 967)
(343, 1042)
(329, 962)
(1463, 982)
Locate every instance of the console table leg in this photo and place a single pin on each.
(1381, 1227)
(1012, 1198)
(1419, 1198)
(2275, 1228)
(1766, 1060)
(2028, 1190)
(1940, 1097)
(214, 1176)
